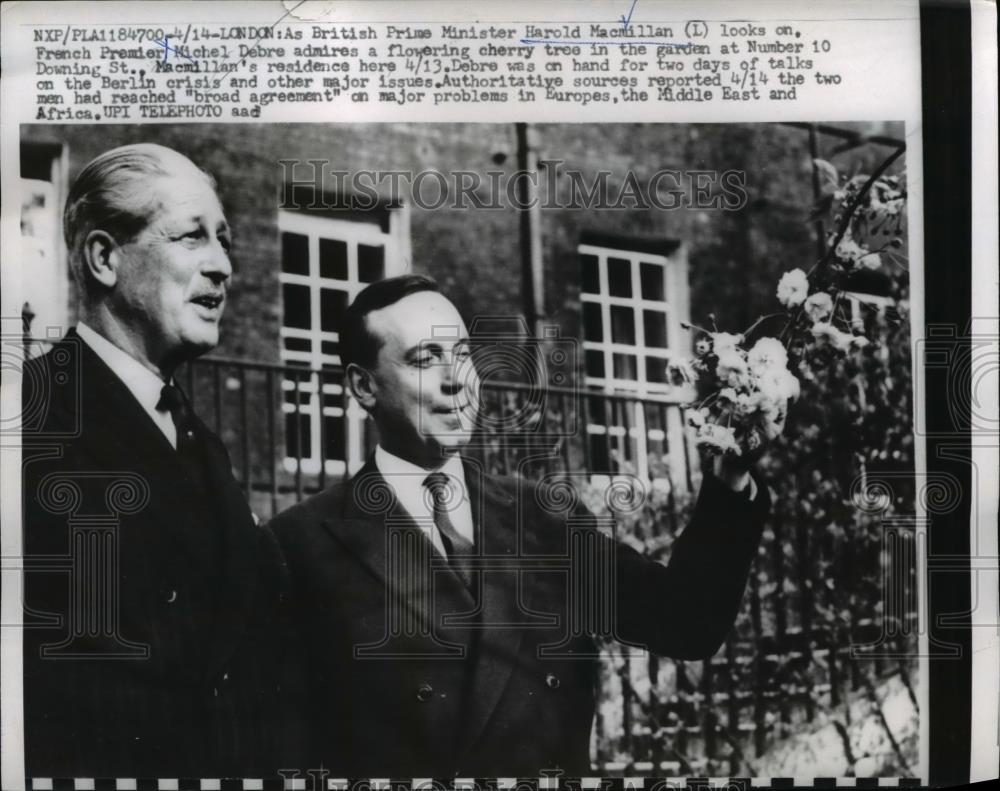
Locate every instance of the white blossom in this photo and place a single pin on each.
(779, 385)
(732, 369)
(850, 250)
(819, 306)
(767, 353)
(825, 332)
(696, 417)
(870, 260)
(719, 438)
(725, 341)
(681, 370)
(793, 288)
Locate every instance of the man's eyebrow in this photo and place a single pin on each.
(423, 346)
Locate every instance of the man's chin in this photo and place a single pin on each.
(199, 343)
(451, 443)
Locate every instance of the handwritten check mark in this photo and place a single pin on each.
(626, 19)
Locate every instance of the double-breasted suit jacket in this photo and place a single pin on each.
(414, 674)
(155, 607)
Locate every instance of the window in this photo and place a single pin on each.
(632, 305)
(45, 285)
(325, 262)
(633, 302)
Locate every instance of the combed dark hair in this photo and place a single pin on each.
(357, 344)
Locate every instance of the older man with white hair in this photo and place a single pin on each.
(157, 651)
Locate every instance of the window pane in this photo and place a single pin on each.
(619, 277)
(333, 259)
(593, 328)
(298, 344)
(590, 280)
(595, 363)
(298, 441)
(295, 299)
(652, 276)
(371, 263)
(600, 462)
(332, 304)
(331, 349)
(655, 325)
(595, 411)
(625, 367)
(656, 370)
(622, 324)
(294, 253)
(334, 439)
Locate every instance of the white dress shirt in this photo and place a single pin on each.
(141, 382)
(407, 482)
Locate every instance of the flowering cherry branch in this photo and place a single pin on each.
(743, 391)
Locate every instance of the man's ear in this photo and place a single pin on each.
(101, 258)
(362, 385)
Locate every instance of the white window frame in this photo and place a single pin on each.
(676, 307)
(395, 242)
(45, 264)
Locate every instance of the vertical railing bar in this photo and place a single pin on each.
(564, 400)
(687, 453)
(707, 719)
(733, 708)
(320, 383)
(780, 604)
(628, 454)
(608, 423)
(244, 431)
(758, 662)
(806, 597)
(272, 445)
(298, 434)
(627, 693)
(583, 411)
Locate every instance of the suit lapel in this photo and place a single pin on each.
(239, 573)
(372, 520)
(500, 635)
(120, 429)
(117, 431)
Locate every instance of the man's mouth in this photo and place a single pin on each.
(454, 409)
(209, 301)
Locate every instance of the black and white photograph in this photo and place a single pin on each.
(293, 345)
(474, 398)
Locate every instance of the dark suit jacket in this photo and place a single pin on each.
(506, 684)
(155, 617)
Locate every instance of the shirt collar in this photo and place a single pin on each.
(141, 382)
(392, 465)
(407, 479)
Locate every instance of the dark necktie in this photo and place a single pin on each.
(456, 546)
(172, 400)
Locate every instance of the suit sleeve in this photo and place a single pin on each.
(685, 609)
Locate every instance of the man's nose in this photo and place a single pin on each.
(458, 374)
(217, 267)
(451, 382)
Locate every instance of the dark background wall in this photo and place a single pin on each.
(734, 255)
